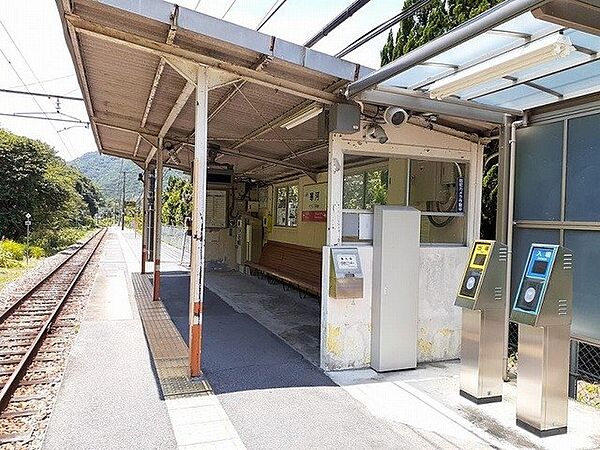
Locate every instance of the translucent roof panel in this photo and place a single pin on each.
(581, 79)
(517, 97)
(522, 88)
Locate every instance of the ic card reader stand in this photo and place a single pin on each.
(481, 295)
(345, 274)
(543, 310)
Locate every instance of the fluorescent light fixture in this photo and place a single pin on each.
(530, 55)
(302, 116)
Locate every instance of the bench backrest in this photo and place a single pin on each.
(296, 261)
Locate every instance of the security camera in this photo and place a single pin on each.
(377, 132)
(395, 116)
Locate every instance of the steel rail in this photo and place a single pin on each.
(13, 381)
(28, 294)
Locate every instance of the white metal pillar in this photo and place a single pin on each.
(145, 219)
(157, 218)
(335, 192)
(198, 225)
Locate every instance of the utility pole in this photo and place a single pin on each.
(123, 204)
(27, 224)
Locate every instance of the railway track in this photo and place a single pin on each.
(27, 352)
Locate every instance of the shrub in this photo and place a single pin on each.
(37, 252)
(52, 241)
(6, 260)
(13, 248)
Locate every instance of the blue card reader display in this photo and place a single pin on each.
(533, 284)
(539, 262)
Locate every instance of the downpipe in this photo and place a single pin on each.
(509, 238)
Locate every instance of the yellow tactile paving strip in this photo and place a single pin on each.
(169, 351)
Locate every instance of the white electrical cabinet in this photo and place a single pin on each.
(357, 225)
(396, 243)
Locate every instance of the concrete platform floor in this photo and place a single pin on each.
(275, 397)
(108, 398)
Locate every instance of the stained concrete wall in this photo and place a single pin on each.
(345, 327)
(439, 321)
(346, 323)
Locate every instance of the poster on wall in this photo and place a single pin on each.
(314, 203)
(216, 209)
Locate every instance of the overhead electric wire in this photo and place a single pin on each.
(413, 9)
(25, 85)
(270, 13)
(228, 9)
(26, 116)
(44, 81)
(39, 94)
(337, 21)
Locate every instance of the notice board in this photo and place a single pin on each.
(216, 208)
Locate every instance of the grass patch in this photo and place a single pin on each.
(9, 275)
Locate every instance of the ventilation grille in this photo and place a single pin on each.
(503, 254)
(498, 293)
(568, 261)
(563, 307)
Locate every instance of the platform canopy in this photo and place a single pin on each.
(135, 62)
(520, 55)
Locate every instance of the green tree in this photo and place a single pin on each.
(432, 21)
(177, 201)
(36, 181)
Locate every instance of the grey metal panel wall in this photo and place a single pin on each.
(538, 172)
(557, 200)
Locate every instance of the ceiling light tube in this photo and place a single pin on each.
(530, 55)
(302, 117)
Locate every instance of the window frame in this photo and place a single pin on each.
(364, 172)
(287, 188)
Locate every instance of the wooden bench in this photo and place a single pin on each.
(292, 264)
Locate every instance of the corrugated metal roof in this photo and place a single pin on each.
(117, 74)
(123, 52)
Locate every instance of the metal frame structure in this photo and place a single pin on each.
(236, 70)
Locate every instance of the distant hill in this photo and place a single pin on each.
(107, 172)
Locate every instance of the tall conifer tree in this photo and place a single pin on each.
(432, 21)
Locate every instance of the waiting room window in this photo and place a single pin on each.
(365, 189)
(286, 211)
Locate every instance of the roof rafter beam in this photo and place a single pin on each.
(161, 49)
(258, 66)
(536, 86)
(266, 159)
(278, 121)
(517, 34)
(303, 152)
(158, 74)
(187, 91)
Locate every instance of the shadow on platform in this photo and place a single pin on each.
(238, 353)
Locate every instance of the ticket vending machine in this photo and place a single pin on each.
(481, 295)
(543, 310)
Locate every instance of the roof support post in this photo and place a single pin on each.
(198, 222)
(158, 219)
(145, 219)
(335, 188)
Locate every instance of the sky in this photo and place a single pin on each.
(33, 53)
